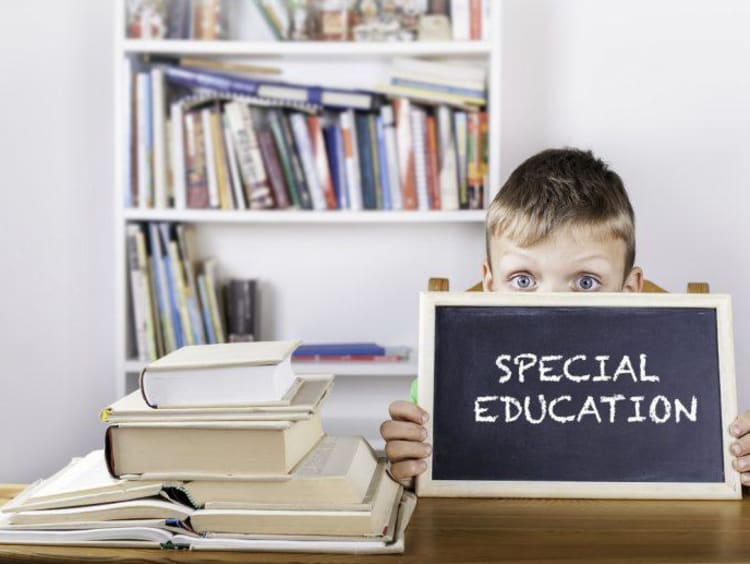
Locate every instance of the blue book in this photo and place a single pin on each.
(339, 349)
(161, 287)
(329, 138)
(366, 167)
(383, 160)
(171, 287)
(344, 203)
(453, 90)
(273, 90)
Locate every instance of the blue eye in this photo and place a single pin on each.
(522, 282)
(587, 283)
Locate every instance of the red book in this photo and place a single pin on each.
(433, 169)
(273, 168)
(321, 161)
(475, 19)
(402, 110)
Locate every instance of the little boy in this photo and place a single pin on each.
(561, 223)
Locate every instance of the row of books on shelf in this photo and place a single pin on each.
(309, 20)
(234, 458)
(177, 300)
(201, 139)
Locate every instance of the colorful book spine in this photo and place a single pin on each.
(140, 296)
(177, 287)
(220, 157)
(273, 166)
(238, 191)
(402, 109)
(274, 120)
(195, 162)
(364, 151)
(419, 148)
(433, 170)
(305, 201)
(376, 172)
(351, 160)
(460, 123)
(474, 160)
(163, 294)
(384, 165)
(302, 141)
(322, 165)
(145, 145)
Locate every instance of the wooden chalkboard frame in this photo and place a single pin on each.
(730, 488)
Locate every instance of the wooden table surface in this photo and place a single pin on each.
(502, 530)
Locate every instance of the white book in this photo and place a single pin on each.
(417, 119)
(447, 160)
(460, 19)
(178, 156)
(234, 170)
(486, 19)
(211, 174)
(138, 293)
(301, 134)
(127, 127)
(463, 75)
(158, 126)
(391, 151)
(351, 154)
(144, 152)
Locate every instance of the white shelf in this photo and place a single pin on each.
(308, 48)
(297, 216)
(403, 369)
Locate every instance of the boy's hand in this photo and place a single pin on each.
(740, 448)
(404, 441)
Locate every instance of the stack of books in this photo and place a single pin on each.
(222, 448)
(203, 139)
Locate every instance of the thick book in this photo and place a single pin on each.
(366, 164)
(337, 472)
(210, 449)
(226, 83)
(241, 307)
(340, 349)
(227, 374)
(275, 171)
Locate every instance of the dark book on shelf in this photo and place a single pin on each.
(274, 168)
(367, 171)
(241, 308)
(303, 193)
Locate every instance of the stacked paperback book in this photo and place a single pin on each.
(222, 448)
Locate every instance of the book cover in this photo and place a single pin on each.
(302, 141)
(206, 310)
(366, 165)
(217, 317)
(138, 297)
(460, 19)
(172, 286)
(475, 19)
(320, 155)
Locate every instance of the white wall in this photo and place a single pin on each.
(661, 91)
(55, 245)
(658, 89)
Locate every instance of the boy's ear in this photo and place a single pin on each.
(487, 282)
(634, 280)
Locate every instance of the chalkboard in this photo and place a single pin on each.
(570, 395)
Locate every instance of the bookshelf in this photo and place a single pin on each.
(332, 275)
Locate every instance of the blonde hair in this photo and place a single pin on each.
(557, 188)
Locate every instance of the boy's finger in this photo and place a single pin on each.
(402, 430)
(741, 464)
(403, 450)
(741, 425)
(408, 468)
(406, 411)
(741, 446)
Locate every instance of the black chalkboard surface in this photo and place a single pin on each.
(613, 395)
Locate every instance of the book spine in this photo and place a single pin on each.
(460, 17)
(208, 147)
(351, 160)
(209, 269)
(129, 134)
(383, 164)
(177, 155)
(461, 129)
(252, 171)
(305, 201)
(301, 134)
(474, 160)
(376, 172)
(334, 148)
(158, 121)
(433, 172)
(190, 286)
(177, 287)
(205, 310)
(138, 300)
(241, 310)
(234, 169)
(159, 342)
(145, 155)
(483, 159)
(448, 173)
(402, 108)
(274, 120)
(163, 294)
(220, 157)
(418, 135)
(322, 165)
(364, 151)
(348, 358)
(195, 162)
(392, 157)
(486, 19)
(273, 167)
(149, 305)
(475, 17)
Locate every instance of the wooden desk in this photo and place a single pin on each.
(503, 530)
